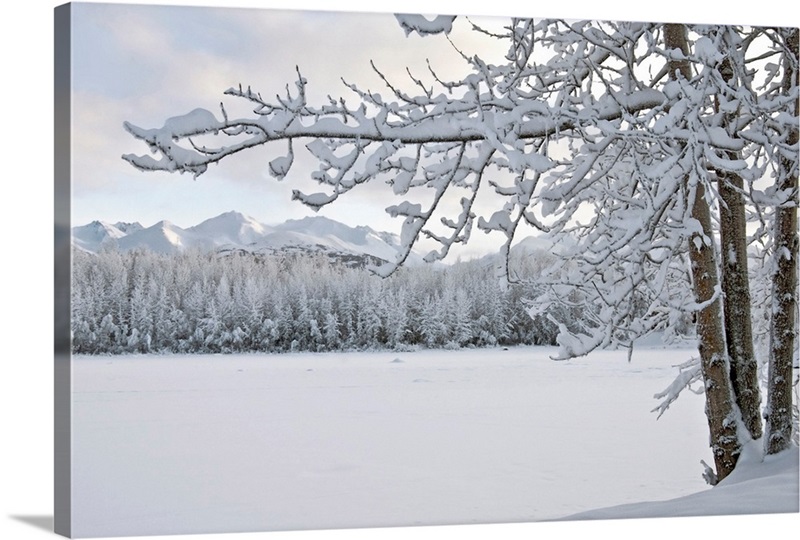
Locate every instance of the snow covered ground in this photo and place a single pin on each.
(186, 444)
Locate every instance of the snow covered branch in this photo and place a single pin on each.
(424, 27)
(584, 134)
(689, 374)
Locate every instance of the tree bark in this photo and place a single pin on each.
(720, 412)
(736, 286)
(736, 304)
(783, 329)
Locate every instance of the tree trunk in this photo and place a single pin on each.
(720, 412)
(736, 304)
(736, 286)
(783, 330)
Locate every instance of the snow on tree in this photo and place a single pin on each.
(634, 146)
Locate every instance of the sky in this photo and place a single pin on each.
(144, 64)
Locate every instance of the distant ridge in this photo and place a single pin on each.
(234, 231)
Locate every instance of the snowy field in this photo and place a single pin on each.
(185, 444)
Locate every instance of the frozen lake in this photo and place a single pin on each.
(184, 444)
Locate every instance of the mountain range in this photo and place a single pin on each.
(233, 231)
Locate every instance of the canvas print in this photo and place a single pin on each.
(322, 270)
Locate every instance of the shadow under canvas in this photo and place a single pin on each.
(40, 522)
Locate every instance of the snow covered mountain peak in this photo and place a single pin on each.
(96, 235)
(231, 228)
(339, 233)
(163, 237)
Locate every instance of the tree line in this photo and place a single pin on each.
(194, 302)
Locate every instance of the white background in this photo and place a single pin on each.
(26, 472)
